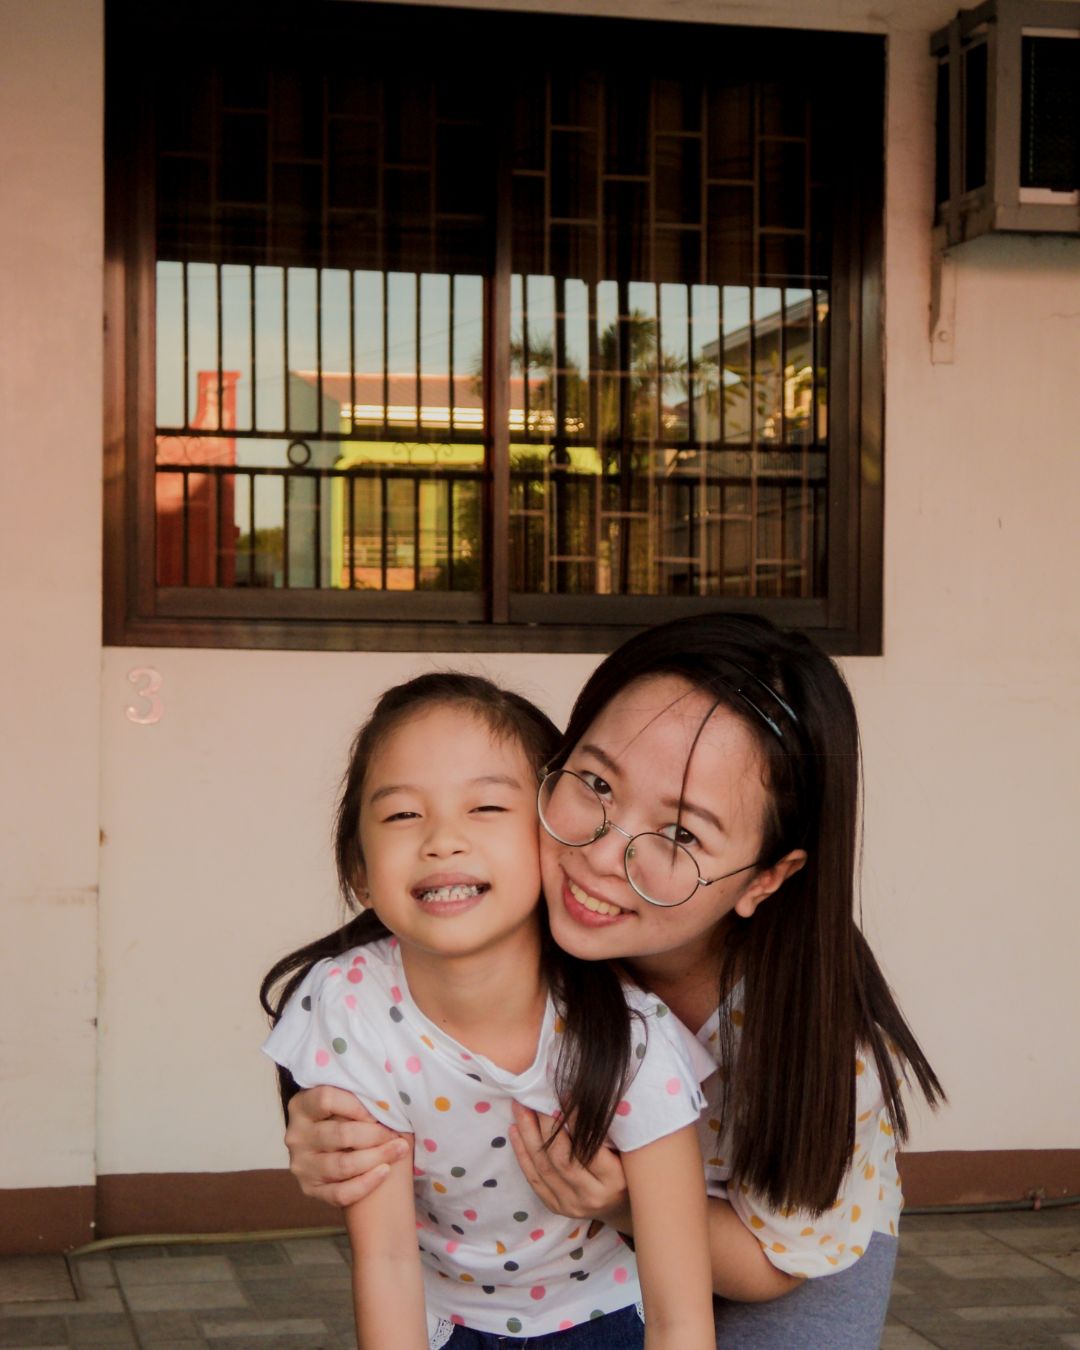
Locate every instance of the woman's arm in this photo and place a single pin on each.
(388, 1292)
(564, 1185)
(740, 1268)
(671, 1241)
(338, 1153)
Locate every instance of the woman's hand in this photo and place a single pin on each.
(594, 1192)
(337, 1151)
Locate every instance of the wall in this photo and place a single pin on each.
(50, 605)
(216, 818)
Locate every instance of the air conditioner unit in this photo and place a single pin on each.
(1008, 119)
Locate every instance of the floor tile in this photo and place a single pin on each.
(33, 1279)
(236, 1253)
(964, 1282)
(312, 1252)
(155, 1328)
(259, 1330)
(1030, 1312)
(979, 1267)
(193, 1297)
(176, 1271)
(102, 1329)
(46, 1330)
(92, 1274)
(1061, 1241)
(1066, 1265)
(969, 1293)
(102, 1301)
(959, 1242)
(903, 1338)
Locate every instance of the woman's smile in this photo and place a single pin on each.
(585, 907)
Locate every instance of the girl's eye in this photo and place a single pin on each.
(489, 807)
(403, 815)
(681, 835)
(599, 785)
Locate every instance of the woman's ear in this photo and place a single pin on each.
(768, 881)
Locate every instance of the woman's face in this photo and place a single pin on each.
(635, 755)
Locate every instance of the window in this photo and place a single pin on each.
(449, 329)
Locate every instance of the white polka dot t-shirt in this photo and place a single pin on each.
(870, 1199)
(493, 1257)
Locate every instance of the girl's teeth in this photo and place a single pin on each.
(590, 901)
(441, 893)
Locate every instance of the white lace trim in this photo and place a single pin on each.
(438, 1337)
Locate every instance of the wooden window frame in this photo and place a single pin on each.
(138, 613)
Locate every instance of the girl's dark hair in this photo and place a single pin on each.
(813, 995)
(595, 1046)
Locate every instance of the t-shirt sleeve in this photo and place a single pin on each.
(810, 1245)
(664, 1092)
(328, 1036)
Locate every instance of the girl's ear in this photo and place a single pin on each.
(768, 881)
(360, 890)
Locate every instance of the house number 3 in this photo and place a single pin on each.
(149, 708)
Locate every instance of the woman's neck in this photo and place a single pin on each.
(686, 980)
(491, 1001)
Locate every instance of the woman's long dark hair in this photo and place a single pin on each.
(595, 1045)
(813, 995)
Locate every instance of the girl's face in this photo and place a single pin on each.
(635, 755)
(448, 831)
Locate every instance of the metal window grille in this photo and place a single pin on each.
(553, 350)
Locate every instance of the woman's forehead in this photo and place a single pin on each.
(660, 720)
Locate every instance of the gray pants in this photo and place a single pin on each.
(833, 1312)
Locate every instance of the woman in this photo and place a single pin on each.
(700, 829)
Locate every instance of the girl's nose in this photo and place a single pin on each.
(444, 839)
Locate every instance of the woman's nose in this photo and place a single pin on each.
(606, 851)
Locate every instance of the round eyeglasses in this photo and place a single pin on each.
(661, 870)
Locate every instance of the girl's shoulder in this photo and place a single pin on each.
(659, 1037)
(340, 1027)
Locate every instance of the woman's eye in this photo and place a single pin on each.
(599, 785)
(680, 834)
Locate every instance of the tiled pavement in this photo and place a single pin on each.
(979, 1281)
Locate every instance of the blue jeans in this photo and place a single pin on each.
(622, 1330)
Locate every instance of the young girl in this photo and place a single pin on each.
(747, 736)
(467, 1007)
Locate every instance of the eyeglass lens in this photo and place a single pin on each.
(658, 868)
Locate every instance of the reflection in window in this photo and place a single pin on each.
(326, 245)
(318, 428)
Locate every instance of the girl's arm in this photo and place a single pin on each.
(671, 1241)
(337, 1151)
(740, 1268)
(388, 1292)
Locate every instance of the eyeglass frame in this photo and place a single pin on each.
(609, 825)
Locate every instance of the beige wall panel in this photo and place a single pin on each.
(50, 531)
(217, 861)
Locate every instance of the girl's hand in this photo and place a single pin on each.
(594, 1192)
(337, 1151)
